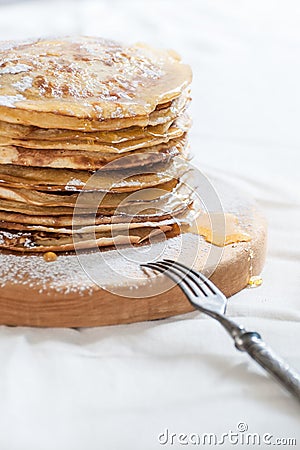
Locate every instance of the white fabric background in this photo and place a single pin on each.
(119, 387)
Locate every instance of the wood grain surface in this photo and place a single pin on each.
(62, 293)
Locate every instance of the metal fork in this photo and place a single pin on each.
(206, 297)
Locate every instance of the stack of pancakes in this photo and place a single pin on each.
(87, 119)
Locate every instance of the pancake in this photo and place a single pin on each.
(15, 131)
(91, 160)
(102, 228)
(169, 205)
(48, 121)
(58, 83)
(36, 242)
(141, 206)
(158, 125)
(109, 199)
(93, 144)
(16, 219)
(47, 179)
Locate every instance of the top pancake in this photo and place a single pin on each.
(86, 83)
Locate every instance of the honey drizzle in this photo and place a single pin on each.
(219, 229)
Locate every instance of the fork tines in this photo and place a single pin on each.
(190, 281)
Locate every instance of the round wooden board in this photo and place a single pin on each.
(61, 293)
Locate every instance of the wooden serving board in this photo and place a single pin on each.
(62, 294)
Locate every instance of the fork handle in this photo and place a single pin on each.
(252, 343)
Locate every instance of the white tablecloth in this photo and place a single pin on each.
(120, 387)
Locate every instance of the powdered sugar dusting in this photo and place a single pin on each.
(10, 100)
(14, 69)
(64, 275)
(73, 184)
(23, 84)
